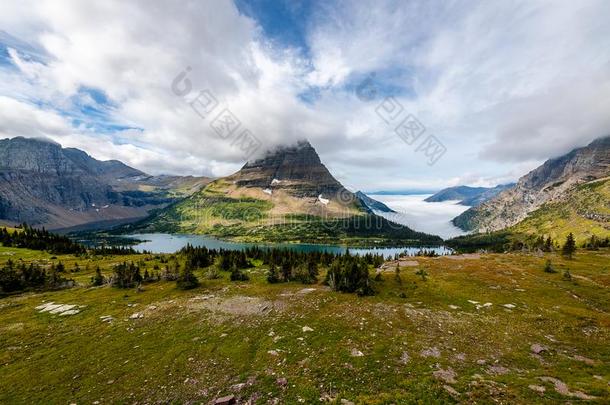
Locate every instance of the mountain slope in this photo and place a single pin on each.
(563, 184)
(288, 195)
(584, 210)
(43, 184)
(372, 203)
(466, 195)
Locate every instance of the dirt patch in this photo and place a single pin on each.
(467, 256)
(237, 305)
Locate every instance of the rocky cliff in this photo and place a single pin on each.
(552, 182)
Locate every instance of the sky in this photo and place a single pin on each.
(394, 95)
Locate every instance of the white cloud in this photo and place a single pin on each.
(499, 83)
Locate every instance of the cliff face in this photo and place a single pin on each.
(296, 169)
(549, 183)
(43, 184)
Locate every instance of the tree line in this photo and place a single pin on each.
(16, 277)
(41, 239)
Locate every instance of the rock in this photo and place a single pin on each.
(460, 357)
(451, 390)
(107, 318)
(356, 353)
(137, 315)
(563, 389)
(537, 388)
(228, 400)
(59, 309)
(238, 387)
(307, 329)
(509, 306)
(584, 359)
(405, 358)
(431, 352)
(446, 375)
(537, 348)
(346, 402)
(62, 308)
(473, 302)
(69, 312)
(497, 369)
(454, 307)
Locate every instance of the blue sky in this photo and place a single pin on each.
(499, 87)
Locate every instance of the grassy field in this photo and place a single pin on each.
(480, 329)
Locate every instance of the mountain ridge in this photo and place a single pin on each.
(552, 183)
(44, 184)
(467, 195)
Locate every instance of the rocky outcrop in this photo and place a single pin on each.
(551, 182)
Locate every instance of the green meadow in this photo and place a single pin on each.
(490, 328)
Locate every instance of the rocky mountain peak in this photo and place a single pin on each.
(296, 168)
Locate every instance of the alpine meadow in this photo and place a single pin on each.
(303, 201)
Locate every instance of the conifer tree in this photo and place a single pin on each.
(187, 279)
(569, 246)
(272, 275)
(98, 279)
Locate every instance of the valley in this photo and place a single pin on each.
(246, 202)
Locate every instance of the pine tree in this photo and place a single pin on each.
(548, 267)
(237, 275)
(98, 279)
(569, 247)
(397, 274)
(548, 245)
(9, 278)
(187, 279)
(272, 275)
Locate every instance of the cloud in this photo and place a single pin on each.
(500, 84)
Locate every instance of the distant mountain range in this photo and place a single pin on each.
(570, 193)
(288, 195)
(466, 195)
(43, 184)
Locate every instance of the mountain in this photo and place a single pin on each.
(565, 194)
(466, 195)
(372, 203)
(287, 195)
(43, 184)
